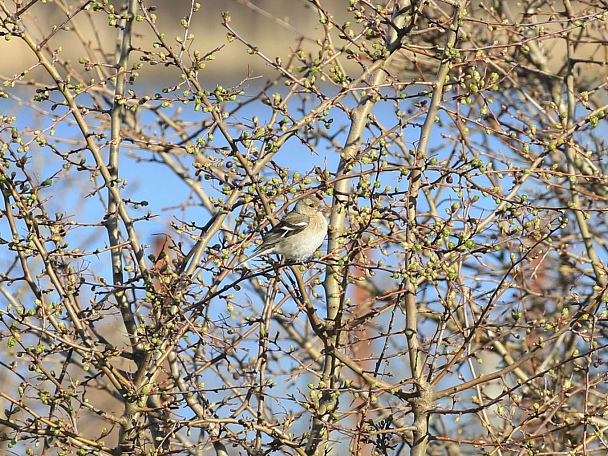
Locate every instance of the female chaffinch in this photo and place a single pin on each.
(297, 235)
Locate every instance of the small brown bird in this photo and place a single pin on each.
(297, 235)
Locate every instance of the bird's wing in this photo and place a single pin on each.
(292, 223)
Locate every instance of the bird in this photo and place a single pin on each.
(297, 235)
